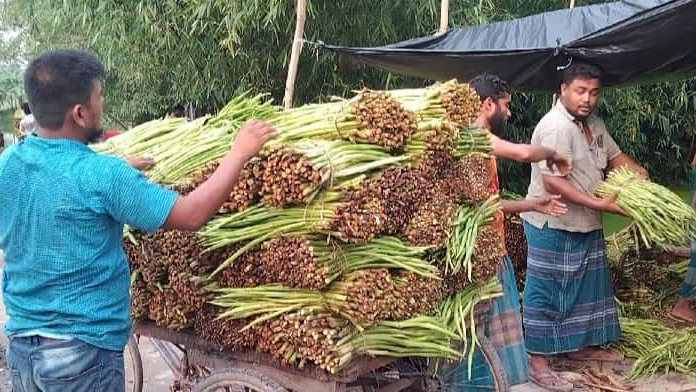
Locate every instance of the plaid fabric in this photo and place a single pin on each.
(503, 327)
(568, 299)
(688, 289)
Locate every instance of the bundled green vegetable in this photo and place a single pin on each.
(258, 224)
(363, 297)
(680, 268)
(661, 216)
(181, 147)
(455, 102)
(461, 244)
(473, 139)
(458, 313)
(421, 336)
(314, 262)
(370, 117)
(215, 135)
(141, 139)
(386, 252)
(264, 302)
(657, 348)
(438, 135)
(296, 172)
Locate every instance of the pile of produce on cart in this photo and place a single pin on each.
(367, 227)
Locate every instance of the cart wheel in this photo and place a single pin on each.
(238, 380)
(495, 366)
(488, 372)
(133, 366)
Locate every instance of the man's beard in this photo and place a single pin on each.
(93, 135)
(497, 121)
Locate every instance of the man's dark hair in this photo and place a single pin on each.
(489, 86)
(582, 71)
(25, 108)
(177, 110)
(57, 80)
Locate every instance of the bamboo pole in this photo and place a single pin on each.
(295, 53)
(444, 16)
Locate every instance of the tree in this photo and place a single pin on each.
(160, 53)
(11, 86)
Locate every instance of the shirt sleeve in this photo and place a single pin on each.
(133, 200)
(557, 138)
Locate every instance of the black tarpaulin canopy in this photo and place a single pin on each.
(632, 41)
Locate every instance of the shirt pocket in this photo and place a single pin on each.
(82, 229)
(599, 157)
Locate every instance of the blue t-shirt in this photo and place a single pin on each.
(62, 211)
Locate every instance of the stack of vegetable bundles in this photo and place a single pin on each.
(364, 228)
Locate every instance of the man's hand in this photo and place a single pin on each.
(141, 163)
(609, 204)
(251, 137)
(550, 205)
(558, 162)
(623, 160)
(640, 170)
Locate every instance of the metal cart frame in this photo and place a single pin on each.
(261, 372)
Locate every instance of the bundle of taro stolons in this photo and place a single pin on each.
(516, 246)
(475, 245)
(311, 262)
(364, 228)
(661, 216)
(453, 101)
(369, 118)
(458, 312)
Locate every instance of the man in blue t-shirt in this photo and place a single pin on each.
(65, 276)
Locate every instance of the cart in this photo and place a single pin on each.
(202, 366)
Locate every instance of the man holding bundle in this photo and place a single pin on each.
(65, 274)
(568, 301)
(504, 322)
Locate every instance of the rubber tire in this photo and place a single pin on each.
(496, 366)
(238, 377)
(137, 362)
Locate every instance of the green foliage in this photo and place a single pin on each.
(160, 53)
(6, 121)
(11, 86)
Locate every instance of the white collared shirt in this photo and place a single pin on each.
(560, 131)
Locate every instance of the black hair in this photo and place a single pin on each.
(178, 109)
(57, 80)
(582, 71)
(489, 86)
(25, 108)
